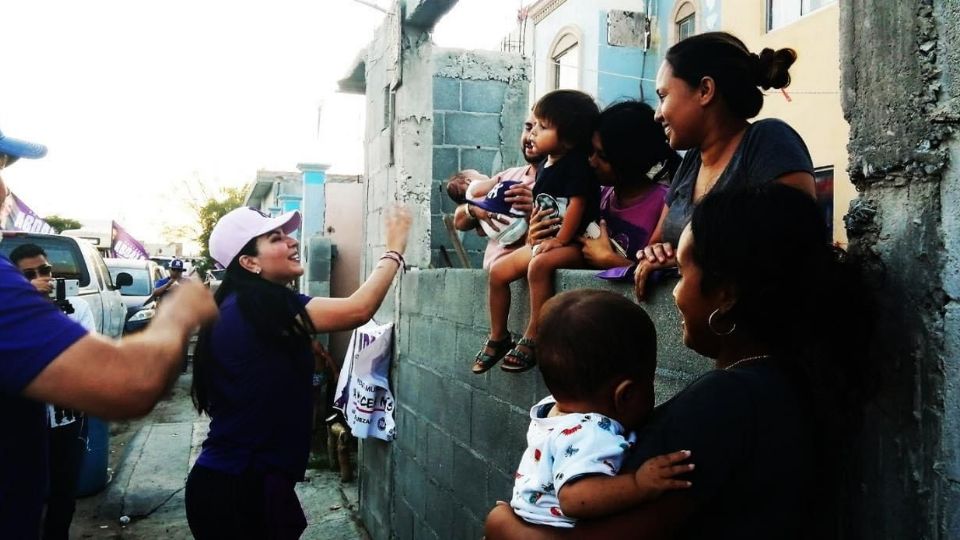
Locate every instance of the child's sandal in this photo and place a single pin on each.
(517, 361)
(484, 361)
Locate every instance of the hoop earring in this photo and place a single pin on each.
(714, 330)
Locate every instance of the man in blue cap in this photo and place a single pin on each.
(47, 358)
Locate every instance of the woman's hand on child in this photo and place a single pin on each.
(658, 474)
(597, 251)
(397, 227)
(542, 227)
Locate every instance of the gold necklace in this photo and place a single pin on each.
(747, 359)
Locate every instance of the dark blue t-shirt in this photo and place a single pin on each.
(751, 432)
(768, 150)
(260, 400)
(33, 332)
(571, 176)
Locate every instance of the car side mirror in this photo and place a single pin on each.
(124, 280)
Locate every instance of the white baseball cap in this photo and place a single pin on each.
(239, 226)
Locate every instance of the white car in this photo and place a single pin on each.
(78, 260)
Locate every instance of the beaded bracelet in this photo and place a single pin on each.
(395, 257)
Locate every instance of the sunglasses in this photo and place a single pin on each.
(44, 270)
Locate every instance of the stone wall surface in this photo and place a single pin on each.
(460, 435)
(479, 105)
(900, 64)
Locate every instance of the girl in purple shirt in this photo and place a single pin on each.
(633, 162)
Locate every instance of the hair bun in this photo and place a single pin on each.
(773, 68)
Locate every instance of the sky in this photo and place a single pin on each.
(145, 106)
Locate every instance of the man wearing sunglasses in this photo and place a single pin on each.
(66, 444)
(47, 358)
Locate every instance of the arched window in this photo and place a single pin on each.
(564, 62)
(684, 21)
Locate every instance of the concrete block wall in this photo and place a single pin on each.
(900, 66)
(479, 105)
(460, 435)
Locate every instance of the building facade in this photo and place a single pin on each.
(612, 49)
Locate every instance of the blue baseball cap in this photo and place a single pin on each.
(15, 149)
(176, 264)
(496, 200)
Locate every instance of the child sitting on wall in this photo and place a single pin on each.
(597, 356)
(564, 121)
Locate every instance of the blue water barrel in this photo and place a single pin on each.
(93, 466)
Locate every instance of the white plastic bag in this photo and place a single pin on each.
(363, 390)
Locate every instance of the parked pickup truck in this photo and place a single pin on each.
(78, 259)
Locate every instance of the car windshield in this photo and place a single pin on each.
(142, 286)
(62, 253)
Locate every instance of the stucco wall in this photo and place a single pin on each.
(460, 435)
(814, 109)
(902, 98)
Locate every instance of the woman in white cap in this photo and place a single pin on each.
(253, 374)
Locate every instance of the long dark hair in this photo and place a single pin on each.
(634, 142)
(796, 293)
(738, 73)
(273, 310)
(806, 301)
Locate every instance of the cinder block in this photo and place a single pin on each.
(446, 161)
(469, 480)
(481, 160)
(440, 235)
(437, 128)
(439, 455)
(406, 430)
(456, 409)
(435, 344)
(446, 94)
(407, 391)
(410, 297)
(440, 510)
(411, 484)
(467, 525)
(435, 282)
(475, 242)
(403, 521)
(483, 96)
(517, 389)
(472, 129)
(493, 432)
(500, 486)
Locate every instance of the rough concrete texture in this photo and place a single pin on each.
(900, 92)
(625, 28)
(461, 435)
(424, 14)
(481, 65)
(477, 123)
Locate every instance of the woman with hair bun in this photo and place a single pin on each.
(709, 87)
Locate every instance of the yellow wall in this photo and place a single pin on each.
(817, 116)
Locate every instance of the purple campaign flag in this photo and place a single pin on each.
(125, 246)
(15, 215)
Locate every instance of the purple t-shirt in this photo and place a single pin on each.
(631, 226)
(260, 400)
(33, 332)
